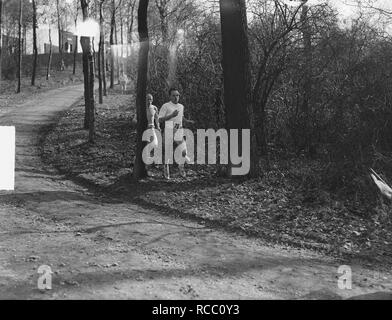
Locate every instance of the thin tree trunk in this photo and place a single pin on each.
(50, 55)
(117, 54)
(84, 6)
(60, 36)
(20, 46)
(75, 54)
(100, 89)
(35, 49)
(307, 84)
(94, 54)
(91, 124)
(88, 71)
(112, 27)
(1, 38)
(24, 46)
(139, 169)
(103, 55)
(103, 61)
(237, 75)
(76, 42)
(122, 41)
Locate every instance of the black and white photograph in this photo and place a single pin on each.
(195, 150)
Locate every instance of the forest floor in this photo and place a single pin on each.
(119, 246)
(282, 207)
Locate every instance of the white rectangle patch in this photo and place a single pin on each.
(7, 158)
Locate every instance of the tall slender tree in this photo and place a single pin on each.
(307, 81)
(100, 57)
(88, 71)
(139, 169)
(35, 49)
(112, 32)
(103, 51)
(76, 37)
(20, 46)
(237, 75)
(60, 32)
(48, 67)
(1, 38)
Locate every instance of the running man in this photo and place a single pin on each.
(174, 111)
(152, 121)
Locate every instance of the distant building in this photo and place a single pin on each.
(68, 41)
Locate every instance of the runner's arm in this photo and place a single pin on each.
(167, 118)
(188, 121)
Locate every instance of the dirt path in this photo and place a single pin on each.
(104, 249)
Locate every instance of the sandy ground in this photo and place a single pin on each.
(100, 248)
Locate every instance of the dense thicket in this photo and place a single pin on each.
(345, 127)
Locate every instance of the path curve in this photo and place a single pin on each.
(103, 249)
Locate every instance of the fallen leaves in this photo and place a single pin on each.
(276, 208)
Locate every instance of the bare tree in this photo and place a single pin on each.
(76, 37)
(103, 52)
(112, 32)
(60, 35)
(35, 49)
(88, 71)
(1, 33)
(48, 67)
(101, 65)
(139, 169)
(20, 46)
(237, 75)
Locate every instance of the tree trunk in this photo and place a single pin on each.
(237, 75)
(35, 49)
(20, 46)
(60, 36)
(1, 38)
(94, 55)
(76, 42)
(24, 37)
(88, 71)
(50, 55)
(86, 83)
(117, 54)
(75, 55)
(307, 84)
(100, 48)
(139, 169)
(91, 118)
(112, 26)
(103, 55)
(100, 88)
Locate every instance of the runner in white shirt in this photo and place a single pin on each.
(174, 111)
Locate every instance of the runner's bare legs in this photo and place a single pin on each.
(152, 120)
